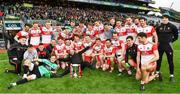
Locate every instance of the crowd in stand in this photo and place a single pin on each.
(63, 14)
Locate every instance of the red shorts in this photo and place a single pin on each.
(108, 61)
(87, 58)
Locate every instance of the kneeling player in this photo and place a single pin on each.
(120, 48)
(147, 56)
(60, 52)
(98, 53)
(87, 56)
(109, 56)
(130, 55)
(33, 71)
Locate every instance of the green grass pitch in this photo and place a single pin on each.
(93, 81)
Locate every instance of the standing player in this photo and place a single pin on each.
(90, 31)
(109, 56)
(98, 28)
(35, 35)
(130, 27)
(136, 22)
(167, 34)
(147, 55)
(24, 32)
(46, 34)
(65, 34)
(149, 30)
(121, 31)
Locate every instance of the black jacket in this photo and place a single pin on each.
(167, 33)
(43, 54)
(17, 51)
(50, 48)
(131, 52)
(76, 58)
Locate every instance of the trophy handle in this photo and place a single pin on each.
(80, 72)
(71, 70)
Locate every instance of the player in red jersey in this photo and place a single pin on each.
(98, 28)
(120, 51)
(130, 27)
(65, 34)
(121, 31)
(98, 53)
(46, 34)
(35, 34)
(88, 54)
(60, 52)
(90, 31)
(24, 32)
(78, 44)
(147, 55)
(109, 55)
(149, 30)
(69, 46)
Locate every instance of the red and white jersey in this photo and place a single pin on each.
(147, 51)
(78, 32)
(130, 29)
(46, 35)
(98, 48)
(121, 33)
(22, 33)
(65, 36)
(35, 34)
(99, 29)
(149, 30)
(59, 50)
(109, 51)
(78, 45)
(89, 51)
(117, 43)
(68, 48)
(91, 33)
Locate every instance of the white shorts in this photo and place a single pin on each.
(33, 76)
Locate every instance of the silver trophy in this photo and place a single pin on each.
(75, 70)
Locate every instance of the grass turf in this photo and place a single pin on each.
(93, 81)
